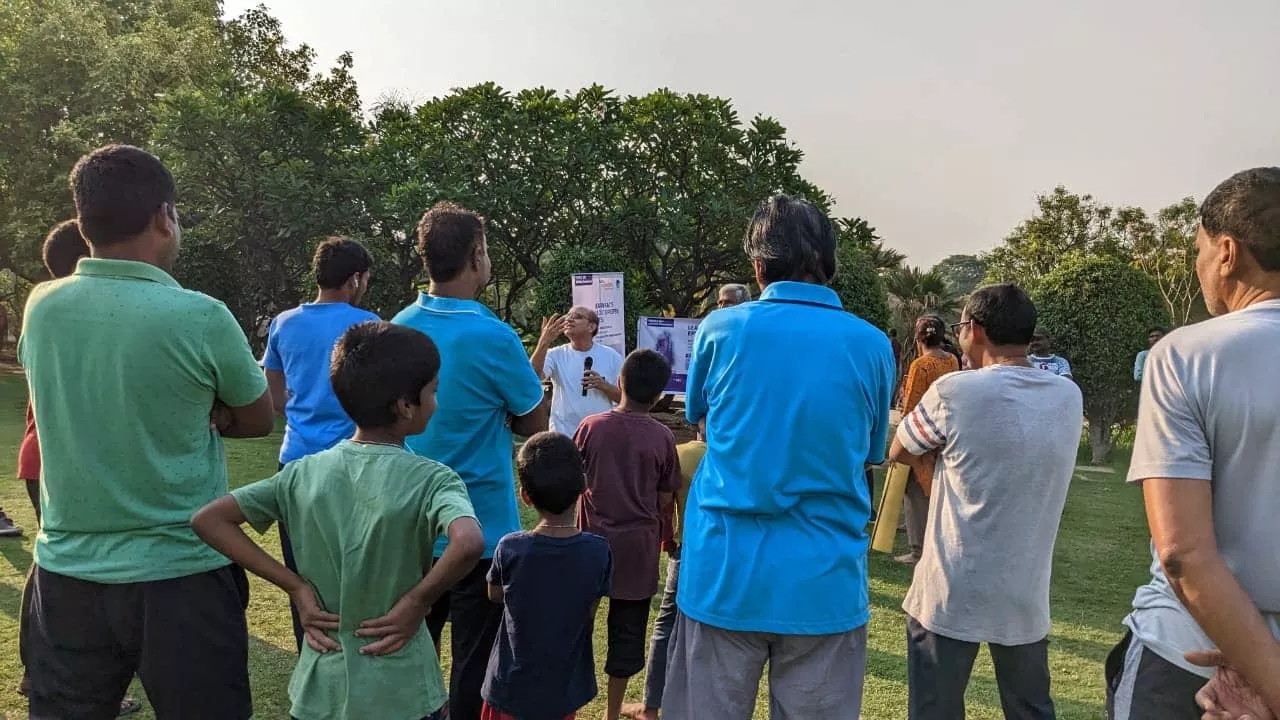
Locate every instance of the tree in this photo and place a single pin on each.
(913, 293)
(859, 286)
(1097, 310)
(1064, 223)
(858, 232)
(962, 273)
(1167, 252)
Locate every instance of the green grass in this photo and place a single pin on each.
(1101, 558)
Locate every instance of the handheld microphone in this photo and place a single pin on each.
(586, 365)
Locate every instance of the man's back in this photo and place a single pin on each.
(124, 367)
(796, 397)
(485, 376)
(365, 518)
(1010, 436)
(299, 344)
(1213, 408)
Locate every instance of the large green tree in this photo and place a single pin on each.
(1098, 310)
(1166, 251)
(962, 273)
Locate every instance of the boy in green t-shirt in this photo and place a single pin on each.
(365, 516)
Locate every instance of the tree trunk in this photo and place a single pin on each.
(1099, 441)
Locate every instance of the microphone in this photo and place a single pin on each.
(586, 365)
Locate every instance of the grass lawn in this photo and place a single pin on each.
(1101, 558)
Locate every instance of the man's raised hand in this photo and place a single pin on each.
(552, 328)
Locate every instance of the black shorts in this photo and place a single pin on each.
(1141, 685)
(628, 635)
(186, 638)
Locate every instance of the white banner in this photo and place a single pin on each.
(602, 292)
(672, 338)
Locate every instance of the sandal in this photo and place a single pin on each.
(129, 706)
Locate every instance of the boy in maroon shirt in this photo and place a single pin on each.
(632, 471)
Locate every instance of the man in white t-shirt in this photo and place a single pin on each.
(1000, 478)
(1207, 455)
(1040, 356)
(576, 390)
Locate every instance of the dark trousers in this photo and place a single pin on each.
(286, 549)
(1141, 685)
(938, 670)
(185, 637)
(916, 505)
(655, 681)
(475, 627)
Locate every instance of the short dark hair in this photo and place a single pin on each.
(63, 248)
(792, 238)
(376, 363)
(550, 471)
(930, 331)
(1005, 312)
(1157, 329)
(447, 235)
(337, 259)
(1246, 206)
(118, 189)
(645, 375)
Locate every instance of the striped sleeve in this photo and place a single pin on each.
(924, 429)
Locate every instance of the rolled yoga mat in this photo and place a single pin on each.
(886, 529)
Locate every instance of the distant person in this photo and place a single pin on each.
(1206, 454)
(549, 581)
(125, 368)
(774, 546)
(731, 295)
(1154, 336)
(366, 514)
(576, 390)
(931, 363)
(1041, 356)
(488, 391)
(632, 473)
(1000, 484)
(896, 344)
(299, 346)
(690, 455)
(4, 329)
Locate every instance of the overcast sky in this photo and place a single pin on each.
(938, 122)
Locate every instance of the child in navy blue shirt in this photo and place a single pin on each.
(551, 580)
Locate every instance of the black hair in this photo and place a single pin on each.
(118, 189)
(375, 364)
(447, 236)
(337, 259)
(645, 375)
(550, 471)
(1246, 206)
(792, 238)
(1005, 312)
(1157, 329)
(63, 248)
(930, 331)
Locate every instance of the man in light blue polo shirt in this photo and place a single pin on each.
(488, 390)
(774, 557)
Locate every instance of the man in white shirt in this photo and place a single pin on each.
(1206, 454)
(1000, 478)
(576, 389)
(1040, 356)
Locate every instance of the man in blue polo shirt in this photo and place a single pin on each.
(299, 346)
(488, 390)
(774, 557)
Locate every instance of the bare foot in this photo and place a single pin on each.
(638, 711)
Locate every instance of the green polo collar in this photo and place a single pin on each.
(124, 269)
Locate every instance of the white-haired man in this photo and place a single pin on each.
(577, 390)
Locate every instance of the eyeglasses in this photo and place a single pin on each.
(955, 327)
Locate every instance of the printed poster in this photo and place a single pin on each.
(671, 338)
(602, 292)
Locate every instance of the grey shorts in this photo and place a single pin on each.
(1141, 685)
(715, 673)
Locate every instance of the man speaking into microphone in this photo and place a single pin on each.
(582, 372)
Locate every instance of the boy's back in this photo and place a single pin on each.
(630, 459)
(364, 518)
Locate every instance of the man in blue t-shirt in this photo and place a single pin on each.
(773, 562)
(488, 390)
(299, 344)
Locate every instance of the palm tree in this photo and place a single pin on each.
(914, 292)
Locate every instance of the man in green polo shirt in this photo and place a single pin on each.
(126, 370)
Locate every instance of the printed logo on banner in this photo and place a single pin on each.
(584, 279)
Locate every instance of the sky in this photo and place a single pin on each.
(938, 122)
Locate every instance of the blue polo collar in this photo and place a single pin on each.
(802, 292)
(125, 269)
(435, 303)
